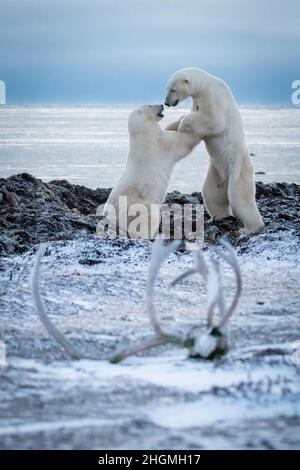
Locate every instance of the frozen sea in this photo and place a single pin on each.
(88, 145)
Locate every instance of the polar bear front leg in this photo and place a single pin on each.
(241, 194)
(215, 196)
(203, 124)
(173, 126)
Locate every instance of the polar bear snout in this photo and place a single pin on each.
(158, 110)
(178, 89)
(139, 118)
(168, 102)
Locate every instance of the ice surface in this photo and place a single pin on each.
(88, 145)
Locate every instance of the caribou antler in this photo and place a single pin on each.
(158, 255)
(213, 343)
(39, 306)
(212, 277)
(206, 346)
(229, 255)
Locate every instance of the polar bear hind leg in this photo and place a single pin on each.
(241, 194)
(215, 196)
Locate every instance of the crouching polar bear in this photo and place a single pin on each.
(153, 153)
(229, 187)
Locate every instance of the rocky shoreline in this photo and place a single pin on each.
(32, 212)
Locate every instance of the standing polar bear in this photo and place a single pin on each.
(229, 187)
(153, 153)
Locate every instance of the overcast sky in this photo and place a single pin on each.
(96, 51)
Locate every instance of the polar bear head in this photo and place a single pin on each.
(182, 85)
(144, 117)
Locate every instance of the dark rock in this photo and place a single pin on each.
(10, 198)
(89, 261)
(44, 212)
(60, 210)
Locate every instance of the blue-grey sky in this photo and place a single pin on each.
(96, 51)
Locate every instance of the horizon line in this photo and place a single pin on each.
(91, 104)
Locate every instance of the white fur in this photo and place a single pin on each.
(153, 152)
(229, 186)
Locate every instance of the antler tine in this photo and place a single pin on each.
(219, 290)
(221, 301)
(214, 290)
(200, 267)
(155, 341)
(151, 343)
(211, 277)
(39, 306)
(230, 256)
(159, 253)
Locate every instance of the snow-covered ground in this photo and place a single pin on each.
(94, 292)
